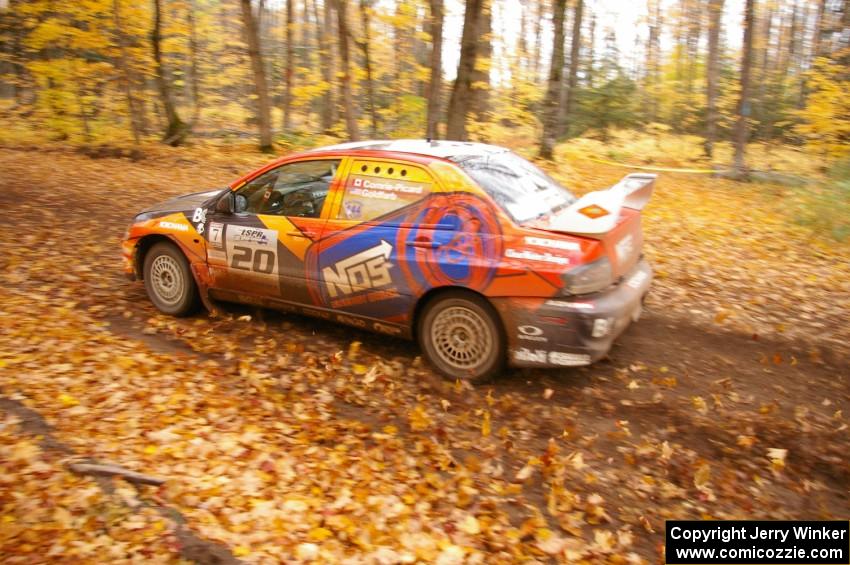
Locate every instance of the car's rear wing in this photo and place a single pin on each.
(596, 213)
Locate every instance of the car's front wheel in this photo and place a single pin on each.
(168, 280)
(461, 335)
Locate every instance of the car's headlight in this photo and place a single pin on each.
(592, 277)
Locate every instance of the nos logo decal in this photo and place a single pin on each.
(378, 269)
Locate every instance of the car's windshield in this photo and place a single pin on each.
(521, 189)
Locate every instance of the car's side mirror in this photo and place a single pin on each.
(226, 204)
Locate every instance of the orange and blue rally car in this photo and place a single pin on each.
(467, 248)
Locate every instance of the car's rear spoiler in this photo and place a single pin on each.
(596, 213)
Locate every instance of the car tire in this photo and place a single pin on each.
(169, 281)
(461, 336)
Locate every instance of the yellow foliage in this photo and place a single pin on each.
(826, 117)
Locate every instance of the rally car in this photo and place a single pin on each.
(467, 248)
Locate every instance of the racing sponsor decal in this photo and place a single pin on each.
(323, 314)
(531, 333)
(543, 357)
(465, 244)
(386, 328)
(625, 248)
(353, 209)
(252, 249)
(552, 243)
(637, 279)
(594, 211)
(367, 270)
(570, 305)
(215, 235)
(384, 189)
(371, 197)
(530, 356)
(529, 255)
(351, 320)
(174, 226)
(199, 218)
(568, 359)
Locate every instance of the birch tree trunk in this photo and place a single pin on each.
(462, 90)
(435, 24)
(290, 67)
(345, 60)
(176, 130)
(715, 14)
(249, 27)
(553, 90)
(572, 81)
(744, 110)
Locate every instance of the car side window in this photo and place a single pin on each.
(296, 189)
(374, 189)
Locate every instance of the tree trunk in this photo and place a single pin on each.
(572, 81)
(365, 7)
(124, 68)
(761, 97)
(565, 73)
(538, 42)
(653, 55)
(819, 45)
(694, 32)
(290, 67)
(249, 26)
(328, 65)
(459, 100)
(715, 15)
(743, 110)
(435, 82)
(481, 75)
(193, 54)
(553, 90)
(345, 59)
(176, 130)
(591, 45)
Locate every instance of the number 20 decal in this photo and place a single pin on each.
(258, 260)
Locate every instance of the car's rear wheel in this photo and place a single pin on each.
(461, 336)
(169, 281)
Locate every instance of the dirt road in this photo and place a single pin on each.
(686, 419)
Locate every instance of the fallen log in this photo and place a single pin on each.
(106, 470)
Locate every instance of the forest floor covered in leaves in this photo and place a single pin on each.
(284, 439)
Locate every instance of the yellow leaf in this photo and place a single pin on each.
(777, 458)
(485, 424)
(470, 525)
(151, 450)
(419, 418)
(241, 551)
(699, 404)
(319, 534)
(702, 475)
(68, 400)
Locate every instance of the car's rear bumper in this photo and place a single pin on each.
(572, 331)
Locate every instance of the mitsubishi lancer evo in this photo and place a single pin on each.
(467, 248)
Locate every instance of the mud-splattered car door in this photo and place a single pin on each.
(260, 249)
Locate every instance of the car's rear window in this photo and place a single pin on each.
(520, 188)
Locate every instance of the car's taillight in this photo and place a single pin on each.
(588, 278)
